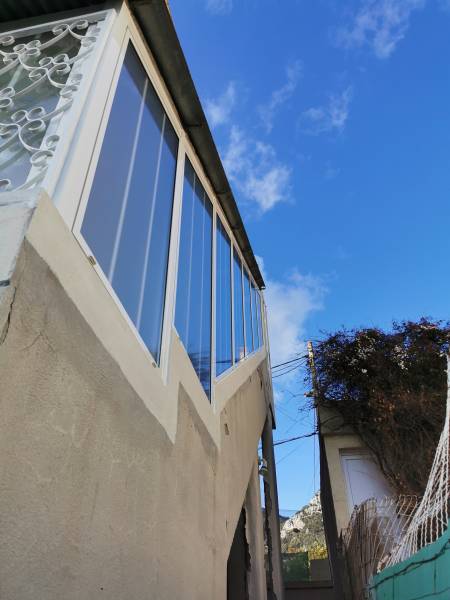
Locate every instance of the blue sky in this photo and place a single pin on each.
(332, 118)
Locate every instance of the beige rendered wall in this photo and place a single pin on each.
(112, 484)
(337, 437)
(333, 445)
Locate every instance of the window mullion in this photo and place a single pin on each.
(127, 186)
(233, 334)
(213, 300)
(150, 228)
(244, 316)
(172, 269)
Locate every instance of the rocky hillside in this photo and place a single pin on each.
(304, 530)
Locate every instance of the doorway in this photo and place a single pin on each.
(238, 562)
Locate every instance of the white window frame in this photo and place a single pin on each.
(227, 229)
(132, 36)
(73, 168)
(190, 154)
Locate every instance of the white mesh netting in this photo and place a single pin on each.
(376, 527)
(430, 520)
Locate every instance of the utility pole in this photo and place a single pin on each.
(336, 556)
(312, 368)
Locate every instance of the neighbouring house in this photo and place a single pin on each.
(380, 400)
(354, 475)
(134, 356)
(349, 475)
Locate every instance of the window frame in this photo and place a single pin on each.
(209, 196)
(133, 38)
(238, 254)
(230, 263)
(78, 166)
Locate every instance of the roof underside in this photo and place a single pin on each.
(156, 23)
(14, 10)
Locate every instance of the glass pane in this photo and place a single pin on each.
(129, 211)
(239, 341)
(260, 320)
(103, 212)
(255, 324)
(150, 324)
(223, 300)
(193, 305)
(248, 314)
(126, 270)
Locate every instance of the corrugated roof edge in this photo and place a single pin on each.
(156, 23)
(157, 26)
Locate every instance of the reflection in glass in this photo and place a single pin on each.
(255, 324)
(223, 300)
(249, 347)
(193, 302)
(239, 339)
(129, 211)
(260, 320)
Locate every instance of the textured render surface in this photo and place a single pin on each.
(426, 575)
(96, 498)
(59, 249)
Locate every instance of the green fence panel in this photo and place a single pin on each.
(426, 575)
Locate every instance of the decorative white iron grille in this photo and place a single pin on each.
(41, 71)
(376, 528)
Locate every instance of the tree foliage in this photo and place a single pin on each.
(390, 387)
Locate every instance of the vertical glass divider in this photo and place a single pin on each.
(150, 227)
(123, 209)
(244, 316)
(213, 308)
(172, 267)
(233, 350)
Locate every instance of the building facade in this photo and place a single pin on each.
(134, 355)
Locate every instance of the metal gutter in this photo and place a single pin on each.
(157, 26)
(153, 17)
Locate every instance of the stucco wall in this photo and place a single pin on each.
(334, 444)
(97, 496)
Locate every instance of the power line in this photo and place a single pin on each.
(289, 361)
(293, 439)
(286, 372)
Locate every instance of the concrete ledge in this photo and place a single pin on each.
(16, 210)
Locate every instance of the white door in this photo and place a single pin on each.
(363, 478)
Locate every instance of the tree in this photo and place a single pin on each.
(391, 388)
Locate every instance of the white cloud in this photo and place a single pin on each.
(380, 24)
(219, 7)
(289, 304)
(255, 170)
(219, 110)
(280, 96)
(329, 118)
